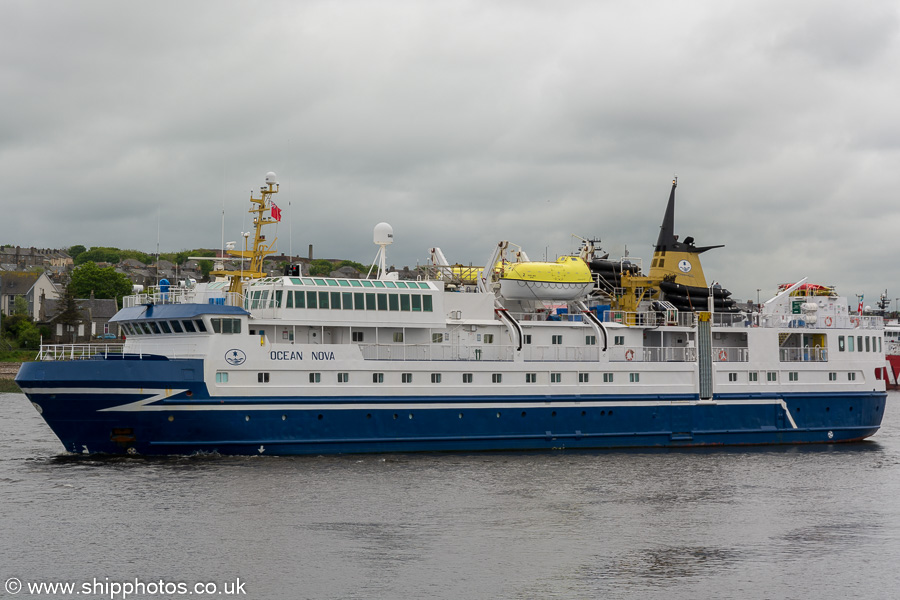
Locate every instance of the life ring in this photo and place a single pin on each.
(723, 355)
(854, 321)
(629, 355)
(828, 321)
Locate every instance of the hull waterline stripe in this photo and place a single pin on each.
(145, 404)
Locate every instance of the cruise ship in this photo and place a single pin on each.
(516, 355)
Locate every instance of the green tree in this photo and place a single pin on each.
(99, 254)
(20, 306)
(28, 336)
(104, 283)
(321, 267)
(75, 250)
(69, 316)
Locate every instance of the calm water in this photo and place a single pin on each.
(813, 522)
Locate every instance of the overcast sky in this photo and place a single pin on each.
(461, 124)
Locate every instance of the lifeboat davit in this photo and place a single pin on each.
(566, 279)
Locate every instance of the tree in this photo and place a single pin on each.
(104, 283)
(69, 315)
(75, 250)
(20, 306)
(99, 254)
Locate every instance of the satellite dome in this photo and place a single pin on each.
(271, 178)
(384, 234)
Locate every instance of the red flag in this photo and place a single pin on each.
(859, 310)
(276, 212)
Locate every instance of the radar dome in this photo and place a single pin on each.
(384, 234)
(270, 178)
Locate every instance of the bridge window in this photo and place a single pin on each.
(202, 328)
(188, 327)
(426, 304)
(336, 300)
(312, 299)
(348, 300)
(359, 301)
(382, 301)
(404, 302)
(416, 302)
(850, 343)
(394, 301)
(226, 325)
(323, 299)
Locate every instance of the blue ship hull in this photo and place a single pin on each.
(163, 407)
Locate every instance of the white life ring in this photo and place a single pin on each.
(828, 321)
(723, 354)
(629, 355)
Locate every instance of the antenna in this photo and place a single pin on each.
(383, 237)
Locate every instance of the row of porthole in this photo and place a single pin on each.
(828, 408)
(603, 413)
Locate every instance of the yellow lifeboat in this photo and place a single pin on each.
(566, 279)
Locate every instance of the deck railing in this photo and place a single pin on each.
(78, 351)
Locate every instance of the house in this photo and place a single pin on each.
(95, 315)
(29, 285)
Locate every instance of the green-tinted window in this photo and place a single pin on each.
(370, 301)
(331, 282)
(366, 283)
(278, 294)
(299, 299)
(296, 281)
(308, 281)
(312, 299)
(404, 302)
(382, 301)
(290, 300)
(389, 284)
(426, 303)
(336, 300)
(423, 285)
(401, 284)
(394, 301)
(323, 299)
(359, 301)
(378, 284)
(344, 282)
(355, 283)
(319, 281)
(416, 303)
(347, 298)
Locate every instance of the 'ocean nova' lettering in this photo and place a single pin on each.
(285, 355)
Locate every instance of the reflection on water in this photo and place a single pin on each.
(759, 522)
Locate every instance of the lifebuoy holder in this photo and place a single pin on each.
(629, 354)
(828, 321)
(723, 354)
